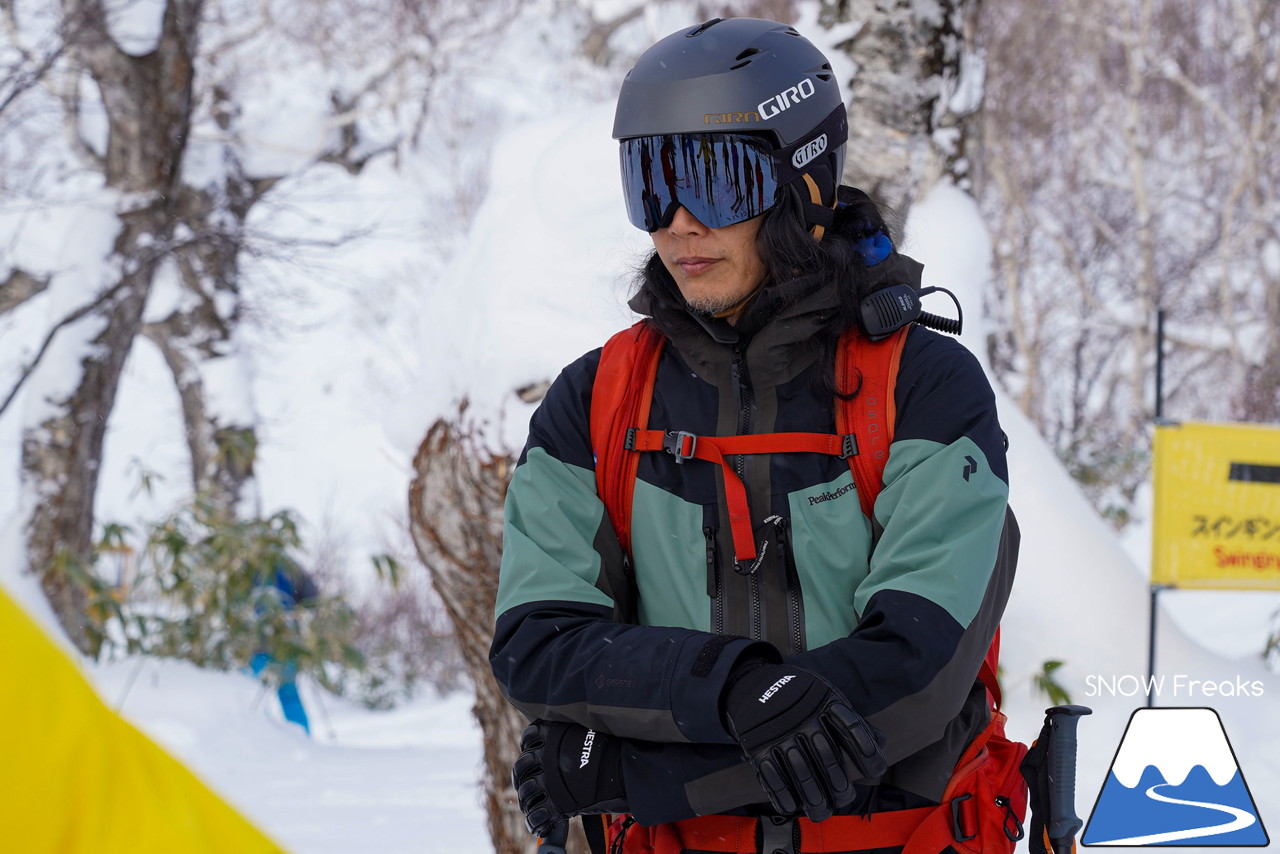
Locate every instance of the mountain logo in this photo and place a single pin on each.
(1175, 781)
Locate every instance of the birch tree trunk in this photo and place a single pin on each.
(148, 101)
(912, 99)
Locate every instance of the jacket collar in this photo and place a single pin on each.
(788, 312)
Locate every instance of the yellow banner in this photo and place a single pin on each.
(1217, 506)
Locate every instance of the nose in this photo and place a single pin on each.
(683, 222)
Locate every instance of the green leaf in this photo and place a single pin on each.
(1046, 683)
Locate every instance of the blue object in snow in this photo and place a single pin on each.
(287, 693)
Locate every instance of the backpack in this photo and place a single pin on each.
(985, 801)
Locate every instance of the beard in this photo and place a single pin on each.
(718, 304)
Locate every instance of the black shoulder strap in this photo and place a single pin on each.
(593, 829)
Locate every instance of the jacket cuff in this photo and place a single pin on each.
(702, 670)
(673, 782)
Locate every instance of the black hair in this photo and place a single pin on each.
(789, 252)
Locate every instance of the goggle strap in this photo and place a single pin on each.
(817, 214)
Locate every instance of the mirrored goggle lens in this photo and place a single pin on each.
(719, 178)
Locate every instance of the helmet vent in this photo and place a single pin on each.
(702, 28)
(745, 58)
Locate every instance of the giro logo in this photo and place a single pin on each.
(770, 107)
(808, 151)
(1175, 781)
(730, 118)
(586, 748)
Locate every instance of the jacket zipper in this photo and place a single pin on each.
(795, 612)
(743, 384)
(713, 582)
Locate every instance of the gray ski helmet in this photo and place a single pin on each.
(743, 76)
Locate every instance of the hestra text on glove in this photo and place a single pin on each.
(809, 748)
(564, 770)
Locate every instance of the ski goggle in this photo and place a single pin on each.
(720, 178)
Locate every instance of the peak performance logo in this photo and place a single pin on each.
(830, 496)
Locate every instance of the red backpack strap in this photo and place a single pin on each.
(620, 399)
(868, 370)
(989, 670)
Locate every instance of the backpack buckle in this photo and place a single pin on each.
(848, 446)
(629, 443)
(957, 826)
(680, 445)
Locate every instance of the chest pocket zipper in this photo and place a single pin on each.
(715, 591)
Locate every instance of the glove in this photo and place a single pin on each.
(565, 770)
(808, 747)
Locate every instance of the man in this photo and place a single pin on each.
(762, 653)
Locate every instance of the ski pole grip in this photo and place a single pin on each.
(556, 839)
(1063, 821)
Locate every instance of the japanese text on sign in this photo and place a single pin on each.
(1217, 506)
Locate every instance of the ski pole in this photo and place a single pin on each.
(555, 840)
(1063, 824)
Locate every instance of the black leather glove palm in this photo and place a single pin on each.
(566, 770)
(808, 746)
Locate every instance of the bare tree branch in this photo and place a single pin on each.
(596, 43)
(88, 308)
(29, 73)
(72, 126)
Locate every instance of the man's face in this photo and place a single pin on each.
(716, 269)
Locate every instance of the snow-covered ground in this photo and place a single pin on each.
(350, 387)
(399, 782)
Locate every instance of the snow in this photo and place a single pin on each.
(361, 352)
(521, 302)
(400, 782)
(1198, 735)
(89, 238)
(283, 119)
(135, 24)
(945, 233)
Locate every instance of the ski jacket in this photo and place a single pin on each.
(896, 611)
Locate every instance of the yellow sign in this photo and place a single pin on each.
(1217, 506)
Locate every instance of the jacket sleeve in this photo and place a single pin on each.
(673, 782)
(559, 653)
(930, 605)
